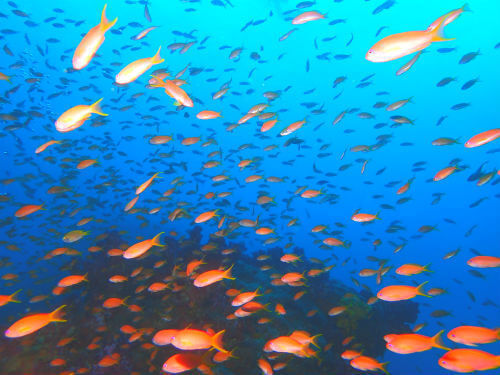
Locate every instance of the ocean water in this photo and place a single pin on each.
(38, 41)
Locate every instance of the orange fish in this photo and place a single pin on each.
(472, 335)
(365, 363)
(469, 360)
(413, 343)
(484, 261)
(307, 17)
(483, 138)
(401, 292)
(265, 366)
(74, 117)
(290, 258)
(164, 337)
(5, 299)
(142, 247)
(137, 68)
(113, 302)
(246, 297)
(396, 46)
(208, 115)
(364, 218)
(350, 354)
(403, 189)
(109, 360)
(445, 172)
(192, 266)
(411, 269)
(72, 280)
(28, 210)
(86, 163)
(206, 216)
(174, 91)
(33, 323)
(146, 184)
(195, 339)
(45, 145)
(182, 362)
(213, 276)
(91, 42)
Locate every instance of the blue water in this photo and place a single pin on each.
(292, 69)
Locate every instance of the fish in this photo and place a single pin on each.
(398, 45)
(91, 42)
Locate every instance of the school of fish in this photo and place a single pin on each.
(227, 193)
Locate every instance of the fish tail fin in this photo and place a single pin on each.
(466, 8)
(105, 24)
(377, 217)
(227, 273)
(160, 82)
(156, 59)
(217, 341)
(55, 316)
(7, 78)
(313, 340)
(124, 300)
(156, 240)
(497, 330)
(11, 297)
(420, 289)
(85, 277)
(426, 268)
(437, 341)
(96, 108)
(437, 34)
(382, 367)
(231, 354)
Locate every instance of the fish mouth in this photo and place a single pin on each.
(370, 56)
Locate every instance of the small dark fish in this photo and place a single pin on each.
(471, 296)
(305, 4)
(470, 83)
(440, 313)
(469, 232)
(324, 56)
(380, 30)
(445, 81)
(468, 57)
(476, 273)
(146, 12)
(441, 119)
(477, 174)
(246, 25)
(341, 57)
(350, 40)
(478, 202)
(334, 22)
(446, 50)
(458, 106)
(385, 5)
